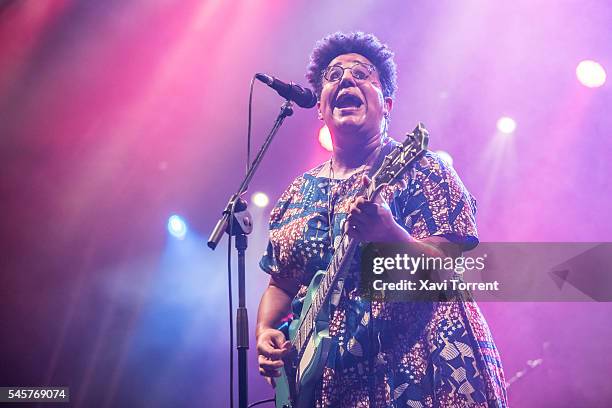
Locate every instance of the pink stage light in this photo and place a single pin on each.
(325, 139)
(260, 199)
(591, 74)
(506, 125)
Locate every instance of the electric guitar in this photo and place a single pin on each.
(309, 334)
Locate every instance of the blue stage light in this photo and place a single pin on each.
(177, 227)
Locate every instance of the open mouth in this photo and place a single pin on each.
(348, 101)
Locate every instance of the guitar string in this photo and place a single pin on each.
(330, 213)
(423, 182)
(330, 209)
(332, 181)
(309, 313)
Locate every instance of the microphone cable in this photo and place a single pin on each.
(229, 253)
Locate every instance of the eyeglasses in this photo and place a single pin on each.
(359, 70)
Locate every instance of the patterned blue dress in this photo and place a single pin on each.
(391, 354)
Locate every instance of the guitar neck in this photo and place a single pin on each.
(394, 165)
(338, 267)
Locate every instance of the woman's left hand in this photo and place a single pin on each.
(372, 221)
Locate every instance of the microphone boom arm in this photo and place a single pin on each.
(223, 223)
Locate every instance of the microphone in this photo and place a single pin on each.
(304, 97)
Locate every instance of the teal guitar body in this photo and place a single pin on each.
(296, 386)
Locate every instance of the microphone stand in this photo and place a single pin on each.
(236, 214)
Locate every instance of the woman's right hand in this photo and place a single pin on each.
(271, 348)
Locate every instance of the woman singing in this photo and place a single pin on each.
(388, 354)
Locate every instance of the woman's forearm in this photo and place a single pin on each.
(275, 304)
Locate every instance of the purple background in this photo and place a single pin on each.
(115, 114)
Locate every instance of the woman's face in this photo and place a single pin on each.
(350, 104)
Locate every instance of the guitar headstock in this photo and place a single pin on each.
(398, 161)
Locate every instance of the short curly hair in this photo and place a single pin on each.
(359, 43)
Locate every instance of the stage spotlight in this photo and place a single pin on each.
(591, 74)
(177, 226)
(325, 139)
(445, 157)
(260, 199)
(506, 125)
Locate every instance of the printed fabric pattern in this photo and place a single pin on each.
(391, 354)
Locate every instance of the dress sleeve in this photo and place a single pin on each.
(436, 203)
(277, 258)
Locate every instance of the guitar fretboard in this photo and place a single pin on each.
(394, 165)
(340, 261)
